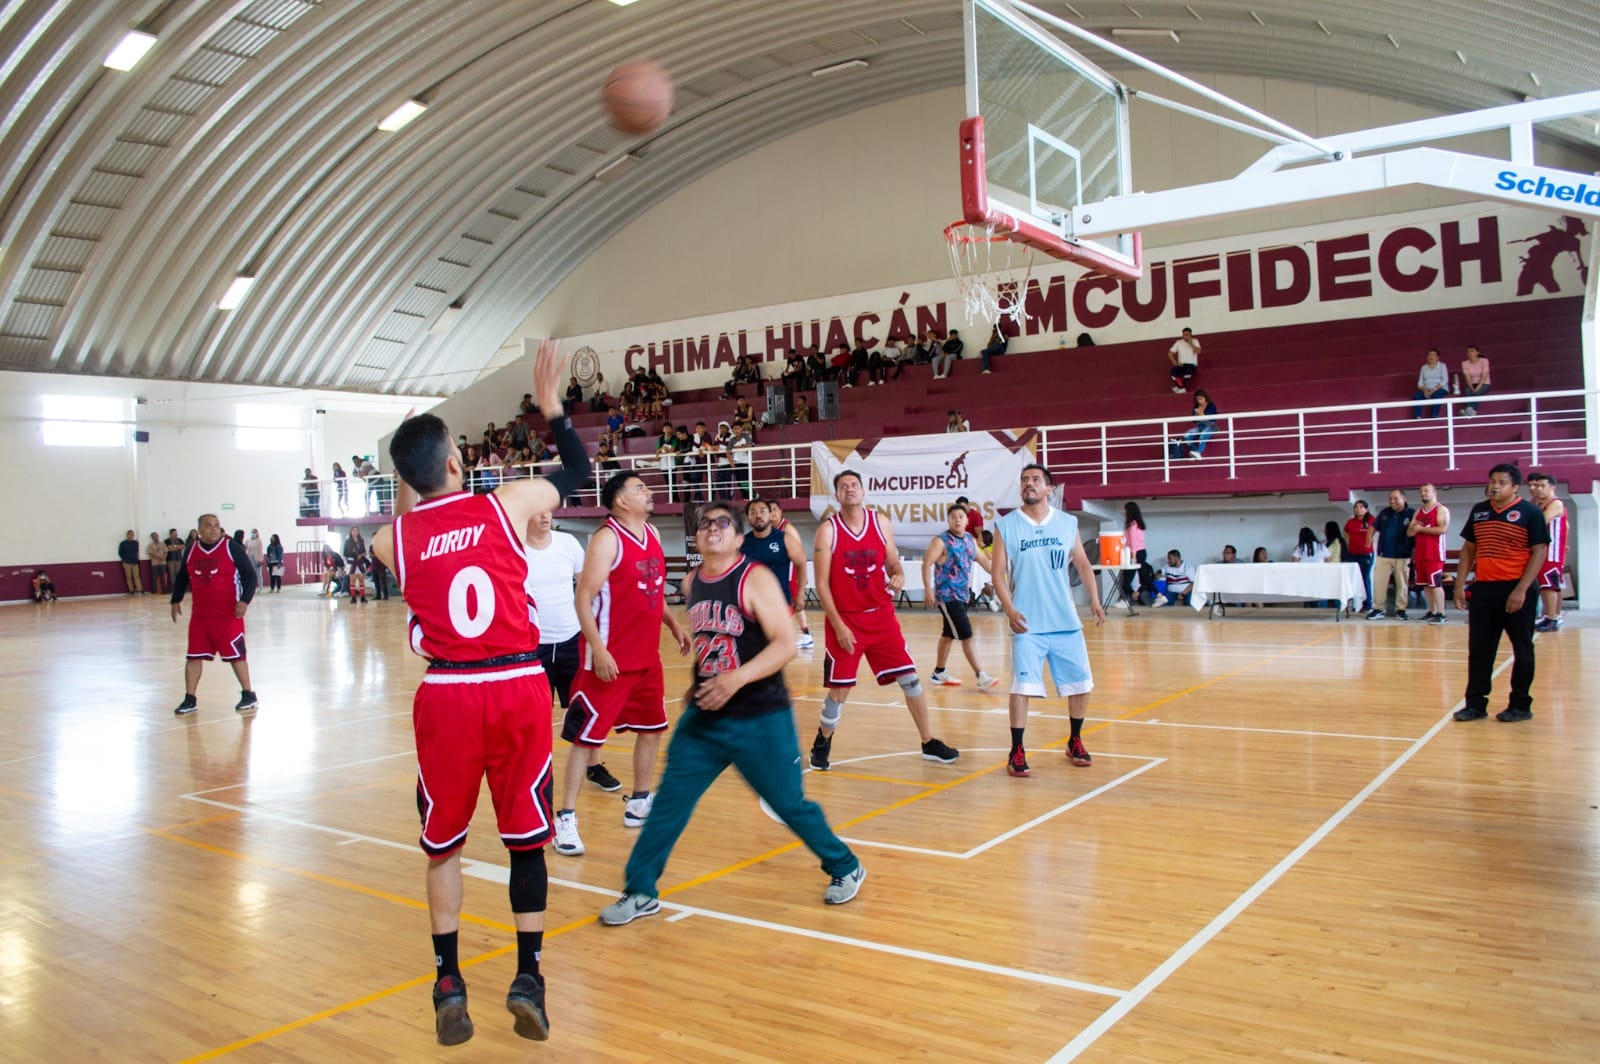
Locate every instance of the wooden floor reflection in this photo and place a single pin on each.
(1283, 850)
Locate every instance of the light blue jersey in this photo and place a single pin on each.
(1040, 560)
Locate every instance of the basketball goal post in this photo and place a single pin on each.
(1046, 167)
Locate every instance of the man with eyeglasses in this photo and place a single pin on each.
(621, 604)
(737, 713)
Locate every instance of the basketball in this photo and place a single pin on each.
(637, 96)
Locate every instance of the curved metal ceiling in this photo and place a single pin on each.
(246, 143)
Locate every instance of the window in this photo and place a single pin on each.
(267, 428)
(85, 421)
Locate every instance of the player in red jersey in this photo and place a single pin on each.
(858, 575)
(622, 605)
(1429, 528)
(1542, 490)
(219, 573)
(483, 707)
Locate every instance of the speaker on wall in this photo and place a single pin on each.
(777, 403)
(140, 436)
(827, 401)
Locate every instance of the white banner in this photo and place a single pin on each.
(912, 480)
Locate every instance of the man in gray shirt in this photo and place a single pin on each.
(1433, 382)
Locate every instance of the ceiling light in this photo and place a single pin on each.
(623, 3)
(402, 115)
(848, 64)
(235, 293)
(1171, 35)
(130, 50)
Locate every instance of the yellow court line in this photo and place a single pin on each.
(367, 999)
(318, 877)
(231, 814)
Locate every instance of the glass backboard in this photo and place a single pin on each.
(1046, 130)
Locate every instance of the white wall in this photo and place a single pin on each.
(858, 204)
(76, 502)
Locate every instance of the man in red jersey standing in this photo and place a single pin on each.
(858, 575)
(1428, 530)
(483, 707)
(1542, 488)
(218, 571)
(622, 605)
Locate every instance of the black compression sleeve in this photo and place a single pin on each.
(575, 468)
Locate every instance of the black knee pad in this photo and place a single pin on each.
(530, 881)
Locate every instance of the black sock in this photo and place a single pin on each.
(1077, 726)
(444, 955)
(1016, 738)
(529, 946)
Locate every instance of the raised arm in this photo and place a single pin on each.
(525, 498)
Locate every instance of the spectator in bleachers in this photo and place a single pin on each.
(1433, 382)
(574, 399)
(949, 352)
(742, 411)
(613, 426)
(741, 459)
(527, 405)
(894, 354)
(745, 372)
(1474, 379)
(44, 589)
(794, 372)
(954, 422)
(1192, 444)
(1179, 577)
(628, 402)
(598, 399)
(310, 495)
(1085, 340)
(998, 341)
(1184, 354)
(816, 366)
(877, 367)
(664, 442)
(605, 460)
(802, 411)
(928, 349)
(839, 367)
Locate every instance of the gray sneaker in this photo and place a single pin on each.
(841, 890)
(636, 810)
(629, 907)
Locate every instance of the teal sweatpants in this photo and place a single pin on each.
(766, 754)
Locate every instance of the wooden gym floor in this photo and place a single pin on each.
(1284, 850)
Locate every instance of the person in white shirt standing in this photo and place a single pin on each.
(555, 559)
(1184, 354)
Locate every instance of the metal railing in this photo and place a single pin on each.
(1536, 427)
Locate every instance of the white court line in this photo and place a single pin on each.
(1263, 731)
(329, 725)
(1108, 1019)
(500, 874)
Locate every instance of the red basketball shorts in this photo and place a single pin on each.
(216, 634)
(1429, 573)
(469, 726)
(634, 701)
(1550, 577)
(878, 638)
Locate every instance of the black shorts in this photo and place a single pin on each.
(956, 625)
(560, 662)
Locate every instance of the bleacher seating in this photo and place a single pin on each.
(1532, 345)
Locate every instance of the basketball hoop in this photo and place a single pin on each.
(987, 275)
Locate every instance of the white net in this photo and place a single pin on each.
(991, 274)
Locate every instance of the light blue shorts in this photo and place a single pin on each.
(1068, 655)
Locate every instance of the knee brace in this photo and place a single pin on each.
(831, 712)
(529, 885)
(911, 684)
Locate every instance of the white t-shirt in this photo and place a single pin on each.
(1188, 353)
(550, 575)
(1317, 553)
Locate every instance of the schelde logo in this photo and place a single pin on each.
(1543, 188)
